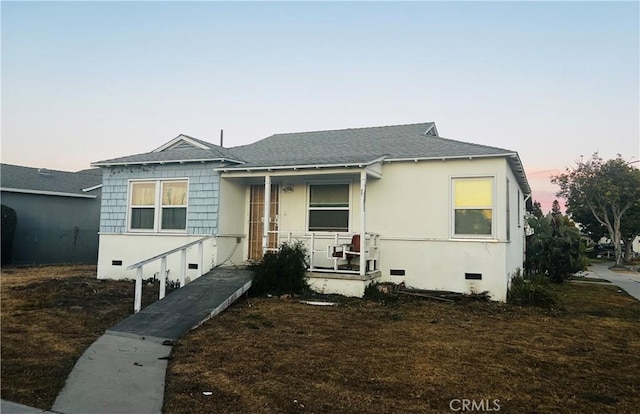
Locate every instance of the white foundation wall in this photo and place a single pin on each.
(353, 288)
(131, 249)
(441, 265)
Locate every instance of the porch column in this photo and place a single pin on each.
(267, 213)
(363, 222)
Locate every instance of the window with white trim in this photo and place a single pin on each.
(329, 207)
(473, 207)
(159, 205)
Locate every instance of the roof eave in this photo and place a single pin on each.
(301, 166)
(42, 192)
(94, 187)
(516, 164)
(126, 163)
(449, 157)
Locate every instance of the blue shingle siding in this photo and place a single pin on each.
(202, 210)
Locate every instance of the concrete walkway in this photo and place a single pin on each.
(630, 283)
(124, 370)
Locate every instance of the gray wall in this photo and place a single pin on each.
(54, 229)
(204, 190)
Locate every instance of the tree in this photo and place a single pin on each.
(608, 189)
(629, 225)
(555, 208)
(536, 209)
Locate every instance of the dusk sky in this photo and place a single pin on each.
(87, 81)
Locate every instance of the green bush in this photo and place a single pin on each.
(530, 290)
(555, 248)
(281, 272)
(9, 221)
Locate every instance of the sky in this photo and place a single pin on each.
(89, 81)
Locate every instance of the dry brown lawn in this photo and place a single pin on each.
(50, 315)
(272, 355)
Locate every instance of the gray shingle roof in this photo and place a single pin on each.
(359, 145)
(214, 153)
(43, 180)
(335, 147)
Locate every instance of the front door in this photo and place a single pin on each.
(256, 219)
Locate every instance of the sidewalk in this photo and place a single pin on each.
(124, 370)
(630, 283)
(8, 407)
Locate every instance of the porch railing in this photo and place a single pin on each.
(137, 303)
(318, 242)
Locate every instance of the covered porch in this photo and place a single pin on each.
(323, 208)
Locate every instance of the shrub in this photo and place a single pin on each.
(555, 248)
(530, 290)
(281, 272)
(9, 221)
(381, 292)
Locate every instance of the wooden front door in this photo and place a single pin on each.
(256, 219)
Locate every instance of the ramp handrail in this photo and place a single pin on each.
(137, 303)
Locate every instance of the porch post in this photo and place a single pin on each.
(267, 213)
(363, 222)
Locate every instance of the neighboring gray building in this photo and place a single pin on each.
(58, 213)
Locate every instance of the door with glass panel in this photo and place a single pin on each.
(256, 219)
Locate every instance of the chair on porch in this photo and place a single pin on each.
(348, 251)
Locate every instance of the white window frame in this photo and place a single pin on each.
(452, 209)
(348, 183)
(157, 213)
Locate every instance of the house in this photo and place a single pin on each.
(58, 213)
(432, 212)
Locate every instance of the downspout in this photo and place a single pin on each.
(267, 213)
(363, 222)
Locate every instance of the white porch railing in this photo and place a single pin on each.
(319, 243)
(137, 303)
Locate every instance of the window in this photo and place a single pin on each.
(473, 206)
(329, 207)
(158, 205)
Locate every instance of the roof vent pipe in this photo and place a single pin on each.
(222, 137)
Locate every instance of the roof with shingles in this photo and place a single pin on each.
(16, 177)
(214, 153)
(331, 147)
(358, 145)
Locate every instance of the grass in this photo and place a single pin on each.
(270, 355)
(50, 315)
(587, 279)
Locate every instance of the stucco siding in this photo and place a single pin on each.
(515, 249)
(233, 219)
(203, 196)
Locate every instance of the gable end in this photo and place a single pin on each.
(181, 142)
